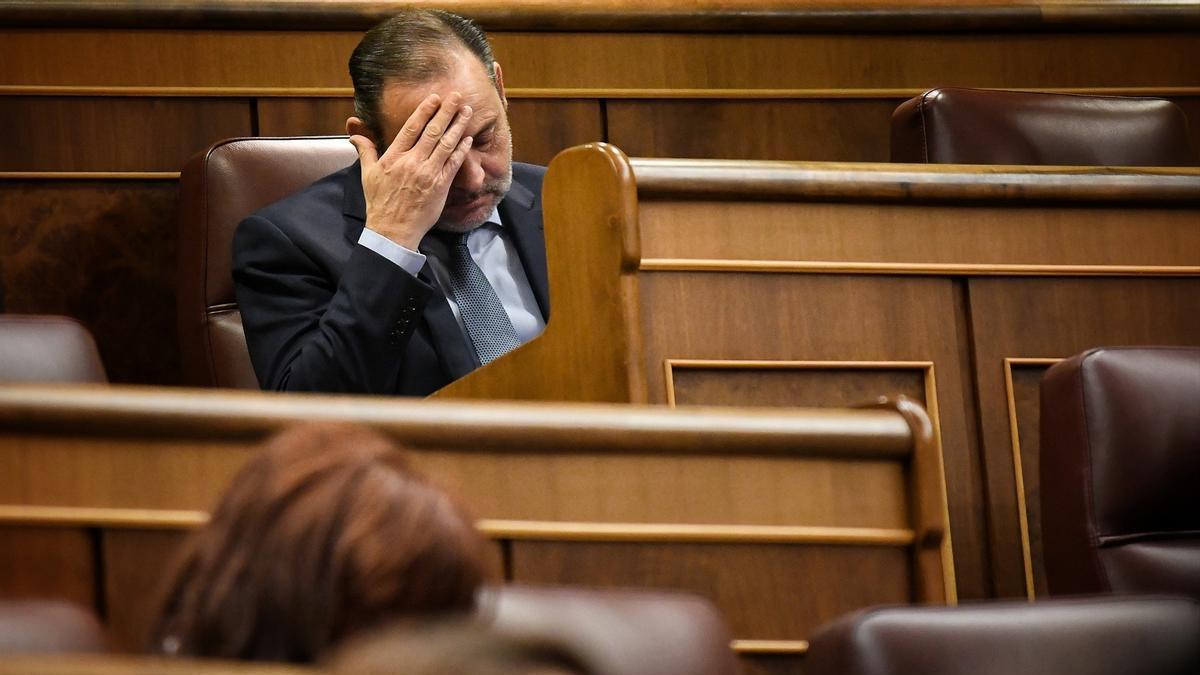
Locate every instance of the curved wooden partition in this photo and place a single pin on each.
(783, 518)
(703, 282)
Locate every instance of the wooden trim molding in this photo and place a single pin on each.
(677, 533)
(77, 516)
(766, 16)
(90, 175)
(780, 647)
(1018, 471)
(718, 179)
(528, 530)
(519, 93)
(917, 269)
(563, 428)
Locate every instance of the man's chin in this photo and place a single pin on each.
(459, 222)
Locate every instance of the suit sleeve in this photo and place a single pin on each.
(305, 333)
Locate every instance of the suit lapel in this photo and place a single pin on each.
(455, 354)
(521, 211)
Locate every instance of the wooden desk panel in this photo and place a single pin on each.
(778, 278)
(123, 471)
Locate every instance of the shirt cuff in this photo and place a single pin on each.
(409, 261)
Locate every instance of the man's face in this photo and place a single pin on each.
(486, 173)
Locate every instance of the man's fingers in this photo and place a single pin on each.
(437, 127)
(367, 154)
(411, 131)
(456, 159)
(449, 141)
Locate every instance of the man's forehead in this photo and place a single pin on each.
(464, 74)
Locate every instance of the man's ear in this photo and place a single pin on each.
(356, 127)
(500, 83)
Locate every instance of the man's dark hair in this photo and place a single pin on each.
(410, 48)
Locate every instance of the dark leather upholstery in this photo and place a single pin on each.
(976, 126)
(37, 348)
(1120, 471)
(1093, 636)
(618, 632)
(48, 627)
(219, 187)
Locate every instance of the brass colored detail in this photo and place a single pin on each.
(1018, 472)
(73, 516)
(653, 532)
(930, 269)
(89, 175)
(769, 646)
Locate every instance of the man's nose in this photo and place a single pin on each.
(470, 175)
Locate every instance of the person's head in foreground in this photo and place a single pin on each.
(325, 532)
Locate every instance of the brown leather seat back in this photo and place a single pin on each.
(38, 348)
(48, 627)
(1094, 636)
(219, 187)
(976, 126)
(1120, 471)
(618, 632)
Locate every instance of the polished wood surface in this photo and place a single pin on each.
(102, 252)
(44, 133)
(705, 15)
(650, 496)
(858, 280)
(592, 65)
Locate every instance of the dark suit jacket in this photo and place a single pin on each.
(322, 313)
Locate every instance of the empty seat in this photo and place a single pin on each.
(979, 126)
(618, 632)
(1120, 470)
(48, 627)
(37, 348)
(1093, 636)
(218, 188)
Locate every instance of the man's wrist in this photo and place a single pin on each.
(408, 259)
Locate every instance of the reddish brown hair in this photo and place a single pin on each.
(325, 532)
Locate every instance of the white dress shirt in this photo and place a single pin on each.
(493, 251)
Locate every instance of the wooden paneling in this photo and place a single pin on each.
(846, 130)
(42, 562)
(1020, 318)
(137, 565)
(113, 134)
(771, 664)
(307, 116)
(638, 15)
(804, 317)
(919, 234)
(541, 127)
(765, 592)
(104, 253)
(795, 387)
(618, 61)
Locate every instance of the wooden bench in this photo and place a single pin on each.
(784, 519)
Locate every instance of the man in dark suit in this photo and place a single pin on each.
(422, 260)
